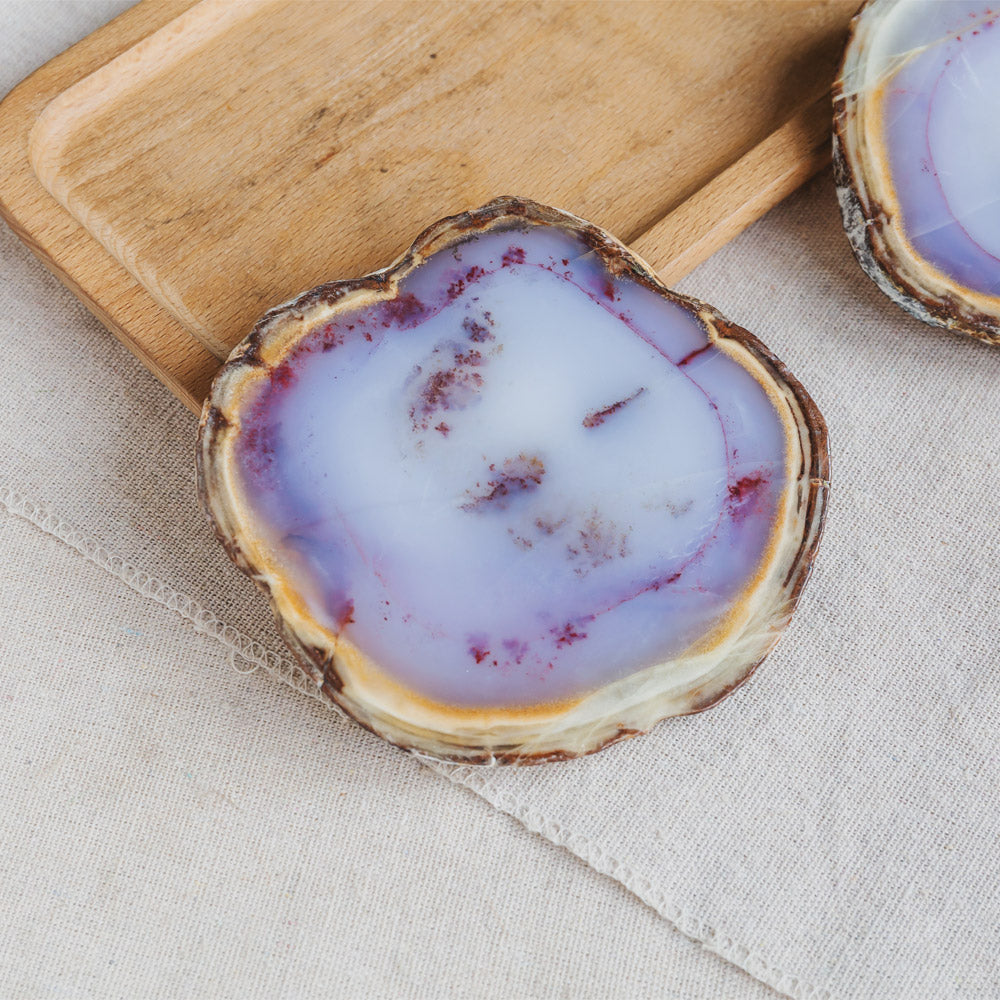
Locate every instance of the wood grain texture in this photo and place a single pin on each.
(189, 166)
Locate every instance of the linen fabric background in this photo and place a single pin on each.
(170, 827)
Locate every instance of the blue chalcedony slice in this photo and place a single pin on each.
(512, 477)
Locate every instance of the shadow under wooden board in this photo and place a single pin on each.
(188, 166)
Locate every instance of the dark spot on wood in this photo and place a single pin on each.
(326, 157)
(177, 218)
(314, 118)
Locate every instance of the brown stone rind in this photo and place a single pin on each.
(814, 427)
(321, 665)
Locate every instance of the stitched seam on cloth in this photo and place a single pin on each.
(284, 670)
(238, 644)
(597, 858)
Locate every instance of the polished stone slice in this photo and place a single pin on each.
(918, 157)
(510, 498)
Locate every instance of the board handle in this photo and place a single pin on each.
(760, 179)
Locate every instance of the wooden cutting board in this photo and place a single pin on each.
(188, 166)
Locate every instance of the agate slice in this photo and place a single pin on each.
(512, 499)
(917, 157)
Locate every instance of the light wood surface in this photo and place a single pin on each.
(189, 166)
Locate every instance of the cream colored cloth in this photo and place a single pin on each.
(832, 828)
(172, 829)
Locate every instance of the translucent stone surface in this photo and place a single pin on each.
(922, 83)
(489, 486)
(512, 477)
